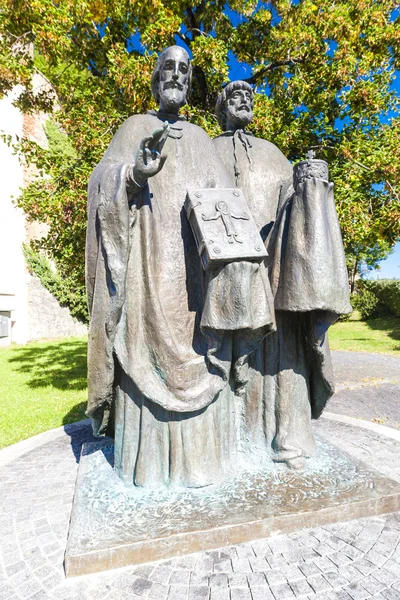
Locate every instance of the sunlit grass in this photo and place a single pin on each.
(375, 335)
(42, 386)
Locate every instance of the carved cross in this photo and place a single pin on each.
(310, 154)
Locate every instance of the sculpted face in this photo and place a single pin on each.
(174, 80)
(239, 109)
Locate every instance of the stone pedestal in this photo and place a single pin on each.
(113, 526)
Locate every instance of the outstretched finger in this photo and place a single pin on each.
(163, 137)
(145, 142)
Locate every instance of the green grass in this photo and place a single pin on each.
(42, 385)
(375, 335)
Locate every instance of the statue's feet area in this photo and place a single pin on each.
(356, 559)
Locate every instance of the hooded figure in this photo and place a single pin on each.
(159, 381)
(290, 373)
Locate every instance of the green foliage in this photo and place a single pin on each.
(377, 297)
(323, 74)
(387, 292)
(366, 302)
(61, 288)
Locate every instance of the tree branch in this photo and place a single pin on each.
(272, 66)
(184, 38)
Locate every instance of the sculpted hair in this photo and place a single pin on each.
(155, 78)
(220, 107)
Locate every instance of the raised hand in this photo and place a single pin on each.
(148, 160)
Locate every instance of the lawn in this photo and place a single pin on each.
(42, 385)
(375, 335)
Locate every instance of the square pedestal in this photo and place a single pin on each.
(114, 526)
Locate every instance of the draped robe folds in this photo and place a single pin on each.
(161, 383)
(290, 375)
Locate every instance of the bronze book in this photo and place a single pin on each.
(223, 227)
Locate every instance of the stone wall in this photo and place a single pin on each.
(47, 319)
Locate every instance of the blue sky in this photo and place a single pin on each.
(388, 268)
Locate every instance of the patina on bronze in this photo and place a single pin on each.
(223, 227)
(290, 373)
(168, 342)
(113, 526)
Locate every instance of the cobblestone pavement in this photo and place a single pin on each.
(355, 560)
(362, 368)
(368, 387)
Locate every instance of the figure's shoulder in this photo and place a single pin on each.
(271, 151)
(196, 131)
(135, 122)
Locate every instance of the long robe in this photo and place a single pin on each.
(290, 373)
(158, 382)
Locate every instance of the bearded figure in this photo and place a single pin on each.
(290, 374)
(160, 374)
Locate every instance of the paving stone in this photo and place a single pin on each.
(141, 586)
(199, 592)
(357, 591)
(223, 566)
(292, 573)
(301, 588)
(350, 573)
(319, 583)
(325, 565)
(339, 595)
(198, 578)
(220, 594)
(161, 574)
(178, 592)
(282, 592)
(256, 579)
(218, 580)
(244, 551)
(309, 569)
(258, 564)
(241, 565)
(336, 579)
(384, 576)
(391, 594)
(275, 577)
(181, 577)
(158, 591)
(375, 557)
(240, 594)
(237, 580)
(393, 566)
(261, 593)
(372, 585)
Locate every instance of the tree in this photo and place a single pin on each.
(323, 74)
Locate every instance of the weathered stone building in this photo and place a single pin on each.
(27, 310)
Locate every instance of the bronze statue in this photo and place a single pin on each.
(178, 372)
(290, 373)
(166, 353)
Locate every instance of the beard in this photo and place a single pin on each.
(173, 95)
(240, 118)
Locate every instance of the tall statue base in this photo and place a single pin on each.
(113, 526)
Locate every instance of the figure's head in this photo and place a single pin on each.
(171, 79)
(234, 108)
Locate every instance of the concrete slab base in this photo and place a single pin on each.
(113, 526)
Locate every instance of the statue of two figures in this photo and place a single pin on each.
(200, 371)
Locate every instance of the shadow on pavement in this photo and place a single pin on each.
(78, 437)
